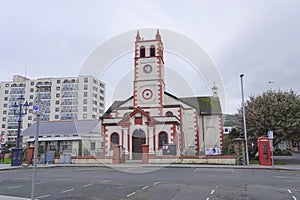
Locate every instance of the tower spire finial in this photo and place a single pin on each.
(158, 35)
(138, 38)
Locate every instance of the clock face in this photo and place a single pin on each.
(147, 69)
(147, 94)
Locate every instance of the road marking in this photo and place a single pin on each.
(207, 198)
(145, 187)
(44, 196)
(212, 192)
(290, 191)
(39, 183)
(156, 183)
(104, 181)
(19, 178)
(130, 194)
(294, 197)
(68, 190)
(87, 185)
(17, 186)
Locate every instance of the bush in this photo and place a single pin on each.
(279, 152)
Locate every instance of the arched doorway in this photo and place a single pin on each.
(138, 138)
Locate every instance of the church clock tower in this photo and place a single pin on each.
(149, 85)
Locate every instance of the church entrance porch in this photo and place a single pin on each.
(138, 139)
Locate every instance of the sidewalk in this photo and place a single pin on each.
(137, 165)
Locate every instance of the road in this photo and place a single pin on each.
(96, 183)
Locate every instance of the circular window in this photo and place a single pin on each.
(147, 94)
(147, 69)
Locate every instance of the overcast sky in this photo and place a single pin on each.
(260, 39)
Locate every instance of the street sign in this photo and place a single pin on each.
(270, 135)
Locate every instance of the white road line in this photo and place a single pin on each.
(17, 186)
(156, 183)
(130, 194)
(87, 185)
(68, 190)
(19, 178)
(212, 192)
(145, 187)
(290, 191)
(294, 198)
(207, 198)
(104, 181)
(44, 196)
(39, 183)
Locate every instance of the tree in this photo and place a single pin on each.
(278, 111)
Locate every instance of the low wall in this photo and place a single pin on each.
(222, 160)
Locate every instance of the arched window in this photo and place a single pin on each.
(142, 52)
(114, 139)
(163, 139)
(152, 50)
(169, 114)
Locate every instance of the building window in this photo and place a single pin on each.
(31, 90)
(5, 112)
(29, 117)
(85, 94)
(114, 139)
(58, 81)
(57, 95)
(3, 125)
(84, 116)
(57, 88)
(4, 119)
(84, 101)
(163, 139)
(152, 50)
(93, 146)
(56, 109)
(31, 97)
(85, 87)
(6, 92)
(56, 116)
(5, 98)
(142, 52)
(169, 114)
(6, 85)
(5, 105)
(84, 108)
(57, 102)
(86, 80)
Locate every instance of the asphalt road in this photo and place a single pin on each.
(93, 183)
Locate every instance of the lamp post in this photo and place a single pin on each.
(244, 119)
(20, 109)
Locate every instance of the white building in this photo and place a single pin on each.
(67, 98)
(186, 126)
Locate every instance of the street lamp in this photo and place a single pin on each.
(20, 109)
(244, 119)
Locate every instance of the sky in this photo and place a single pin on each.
(260, 39)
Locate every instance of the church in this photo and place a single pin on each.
(169, 125)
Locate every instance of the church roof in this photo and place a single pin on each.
(207, 105)
(70, 127)
(115, 105)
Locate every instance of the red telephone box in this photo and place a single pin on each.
(264, 151)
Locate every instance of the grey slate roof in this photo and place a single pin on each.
(207, 105)
(72, 127)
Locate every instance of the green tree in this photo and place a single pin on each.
(278, 111)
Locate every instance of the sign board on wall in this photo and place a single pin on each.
(212, 151)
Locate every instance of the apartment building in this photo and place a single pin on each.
(66, 98)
